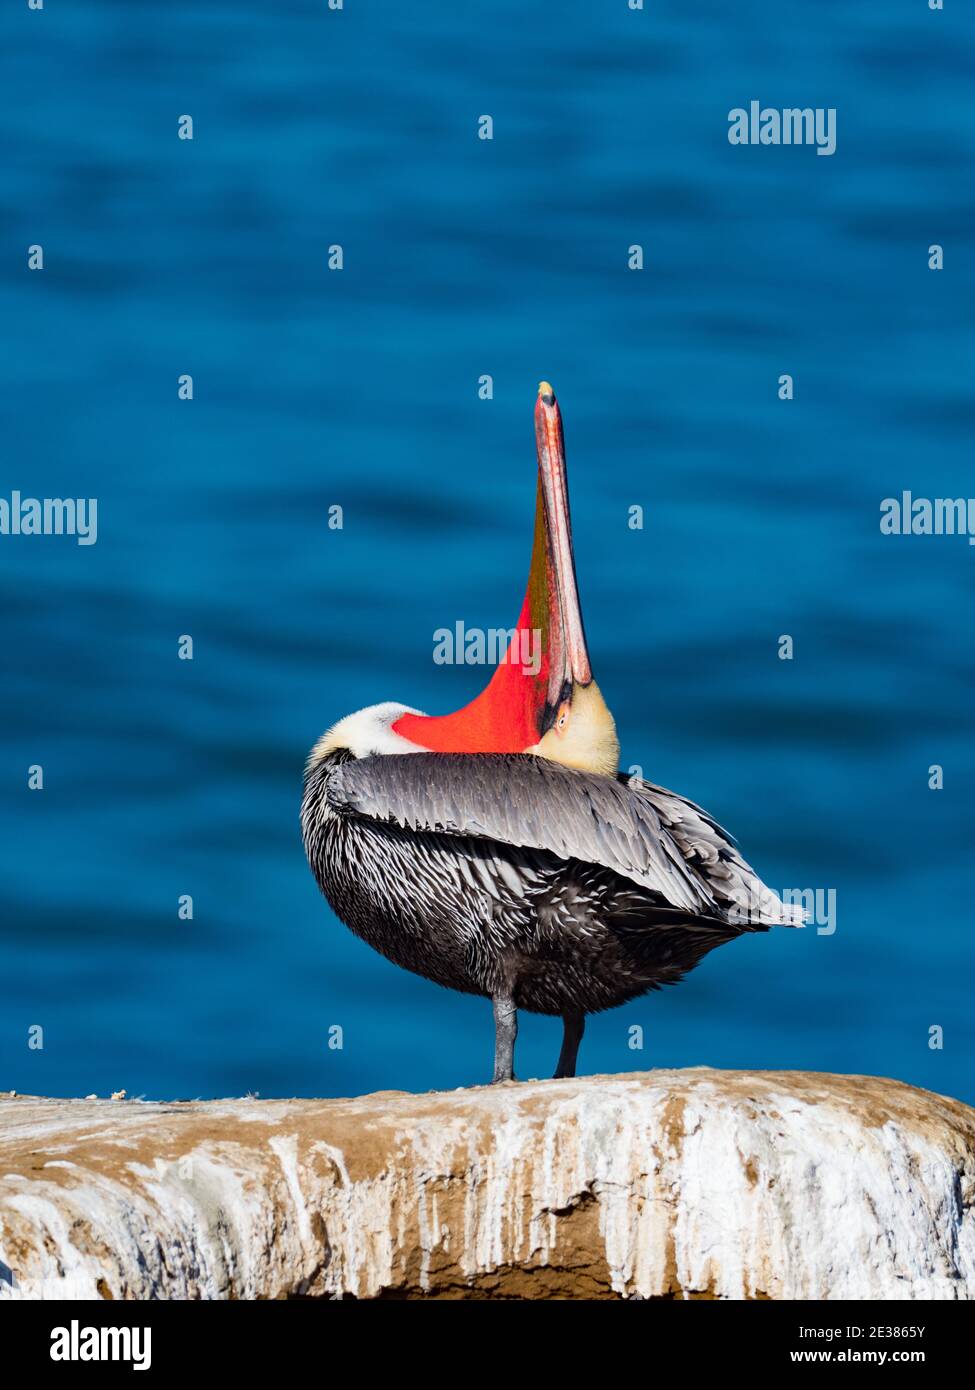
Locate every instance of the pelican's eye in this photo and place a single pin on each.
(562, 721)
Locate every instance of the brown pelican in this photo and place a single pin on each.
(499, 851)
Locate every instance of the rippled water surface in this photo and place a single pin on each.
(465, 257)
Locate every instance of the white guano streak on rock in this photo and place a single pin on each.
(694, 1183)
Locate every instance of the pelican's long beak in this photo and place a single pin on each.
(552, 588)
(542, 698)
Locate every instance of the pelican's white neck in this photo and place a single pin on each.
(366, 732)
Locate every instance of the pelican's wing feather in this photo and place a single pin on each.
(711, 851)
(522, 800)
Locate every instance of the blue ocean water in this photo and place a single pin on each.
(358, 388)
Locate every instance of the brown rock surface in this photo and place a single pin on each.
(661, 1184)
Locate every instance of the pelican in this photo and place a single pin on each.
(499, 851)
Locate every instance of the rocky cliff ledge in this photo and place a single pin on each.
(662, 1184)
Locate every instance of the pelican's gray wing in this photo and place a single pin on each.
(711, 851)
(519, 799)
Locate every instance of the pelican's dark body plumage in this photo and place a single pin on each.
(498, 851)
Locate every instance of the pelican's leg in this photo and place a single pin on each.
(574, 1025)
(505, 1032)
